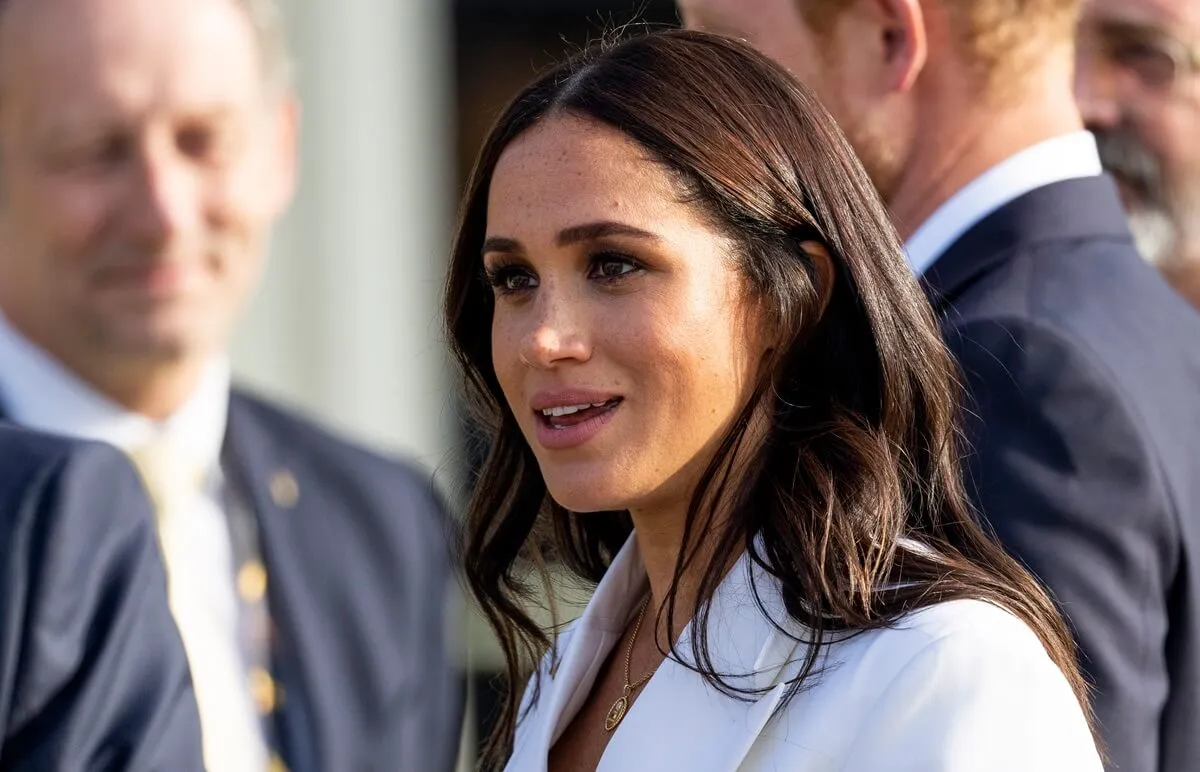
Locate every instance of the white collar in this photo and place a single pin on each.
(1069, 156)
(41, 393)
(745, 644)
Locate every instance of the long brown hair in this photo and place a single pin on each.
(861, 452)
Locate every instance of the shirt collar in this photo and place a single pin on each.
(41, 393)
(1065, 157)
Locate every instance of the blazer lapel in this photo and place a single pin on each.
(584, 647)
(261, 474)
(680, 721)
(1087, 207)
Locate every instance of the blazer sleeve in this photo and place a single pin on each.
(1063, 472)
(944, 712)
(93, 674)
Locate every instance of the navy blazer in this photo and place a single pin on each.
(93, 675)
(1083, 368)
(357, 550)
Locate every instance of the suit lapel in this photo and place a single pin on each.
(680, 721)
(696, 728)
(261, 473)
(583, 650)
(1087, 207)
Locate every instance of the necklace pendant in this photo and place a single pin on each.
(616, 713)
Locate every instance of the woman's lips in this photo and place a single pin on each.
(572, 429)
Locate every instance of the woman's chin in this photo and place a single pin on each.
(584, 498)
(585, 503)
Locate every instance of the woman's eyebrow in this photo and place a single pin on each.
(598, 230)
(574, 235)
(501, 244)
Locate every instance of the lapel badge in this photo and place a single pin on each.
(285, 491)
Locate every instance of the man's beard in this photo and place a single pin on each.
(1159, 219)
(874, 144)
(1154, 234)
(878, 156)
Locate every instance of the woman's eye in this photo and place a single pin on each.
(507, 280)
(613, 266)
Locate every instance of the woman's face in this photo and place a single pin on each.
(623, 338)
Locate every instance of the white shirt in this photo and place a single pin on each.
(962, 686)
(1066, 157)
(37, 391)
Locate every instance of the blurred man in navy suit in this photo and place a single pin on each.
(1082, 365)
(92, 672)
(146, 149)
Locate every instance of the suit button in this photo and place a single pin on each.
(267, 695)
(285, 491)
(252, 582)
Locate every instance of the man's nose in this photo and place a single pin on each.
(166, 195)
(1097, 92)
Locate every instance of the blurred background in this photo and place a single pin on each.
(397, 96)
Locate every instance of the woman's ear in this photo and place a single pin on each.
(824, 272)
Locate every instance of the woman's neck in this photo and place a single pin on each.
(660, 531)
(660, 542)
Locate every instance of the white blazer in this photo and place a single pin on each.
(961, 686)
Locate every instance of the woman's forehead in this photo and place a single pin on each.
(566, 168)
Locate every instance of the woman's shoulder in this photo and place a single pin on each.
(952, 676)
(984, 625)
(970, 639)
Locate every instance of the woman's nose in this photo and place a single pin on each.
(557, 335)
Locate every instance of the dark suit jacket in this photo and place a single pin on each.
(360, 592)
(93, 675)
(1084, 372)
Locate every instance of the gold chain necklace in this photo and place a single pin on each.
(618, 709)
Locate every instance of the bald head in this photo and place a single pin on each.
(147, 153)
(264, 17)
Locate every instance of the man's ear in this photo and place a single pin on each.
(286, 151)
(904, 43)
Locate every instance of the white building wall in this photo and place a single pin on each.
(346, 325)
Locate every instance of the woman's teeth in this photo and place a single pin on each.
(569, 409)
